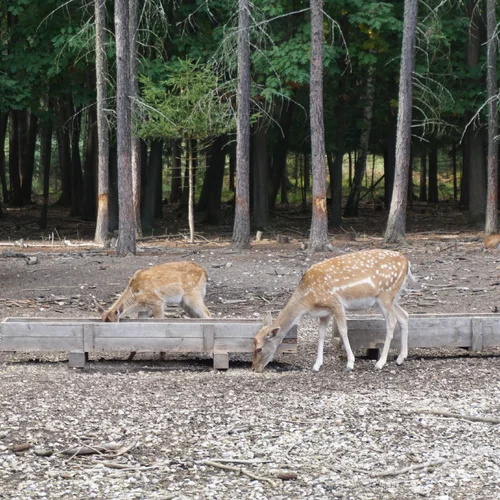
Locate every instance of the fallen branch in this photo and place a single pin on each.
(448, 414)
(239, 470)
(396, 472)
(125, 449)
(236, 461)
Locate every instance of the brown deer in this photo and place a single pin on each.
(150, 289)
(491, 242)
(353, 281)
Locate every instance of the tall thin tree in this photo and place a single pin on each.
(127, 231)
(102, 225)
(491, 226)
(396, 224)
(241, 229)
(318, 237)
(134, 96)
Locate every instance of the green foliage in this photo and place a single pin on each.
(190, 103)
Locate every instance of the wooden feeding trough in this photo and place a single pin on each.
(79, 337)
(474, 332)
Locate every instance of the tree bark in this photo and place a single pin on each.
(102, 224)
(89, 166)
(45, 156)
(423, 176)
(491, 226)
(260, 169)
(396, 224)
(64, 150)
(4, 118)
(336, 167)
(134, 97)
(16, 197)
(318, 238)
(280, 154)
(29, 159)
(211, 193)
(176, 184)
(150, 189)
(241, 229)
(352, 204)
(474, 139)
(126, 244)
(76, 162)
(433, 176)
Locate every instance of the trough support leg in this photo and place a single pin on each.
(77, 359)
(221, 360)
(477, 335)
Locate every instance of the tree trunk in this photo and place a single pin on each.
(352, 205)
(260, 169)
(396, 224)
(29, 159)
(159, 190)
(232, 169)
(189, 153)
(454, 164)
(176, 185)
(304, 173)
(89, 167)
(4, 118)
(76, 162)
(150, 189)
(280, 154)
(241, 230)
(102, 224)
(336, 168)
(211, 193)
(113, 189)
(433, 176)
(45, 156)
(474, 139)
(22, 140)
(134, 97)
(318, 238)
(491, 226)
(16, 197)
(126, 244)
(64, 150)
(423, 176)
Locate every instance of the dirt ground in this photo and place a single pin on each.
(154, 424)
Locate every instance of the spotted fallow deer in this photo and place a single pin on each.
(151, 289)
(352, 281)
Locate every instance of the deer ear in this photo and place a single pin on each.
(272, 333)
(267, 319)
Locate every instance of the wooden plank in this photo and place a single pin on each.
(477, 334)
(149, 344)
(40, 344)
(208, 337)
(88, 337)
(27, 329)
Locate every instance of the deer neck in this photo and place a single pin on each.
(290, 315)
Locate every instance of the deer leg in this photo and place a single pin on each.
(323, 325)
(340, 318)
(158, 311)
(194, 306)
(390, 320)
(402, 317)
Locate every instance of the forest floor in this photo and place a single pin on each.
(334, 434)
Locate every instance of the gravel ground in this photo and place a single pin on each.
(153, 424)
